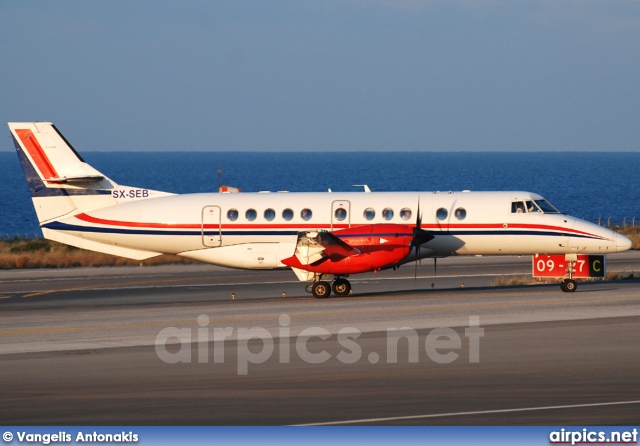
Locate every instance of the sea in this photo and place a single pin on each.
(598, 187)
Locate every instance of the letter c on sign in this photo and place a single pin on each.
(596, 268)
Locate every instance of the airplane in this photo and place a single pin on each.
(317, 234)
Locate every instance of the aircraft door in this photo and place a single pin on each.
(340, 214)
(568, 242)
(211, 226)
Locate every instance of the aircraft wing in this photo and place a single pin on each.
(314, 247)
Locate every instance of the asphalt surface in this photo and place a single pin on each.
(169, 345)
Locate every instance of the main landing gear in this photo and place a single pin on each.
(321, 289)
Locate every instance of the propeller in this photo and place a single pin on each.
(420, 236)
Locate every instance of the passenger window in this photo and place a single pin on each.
(387, 213)
(269, 214)
(232, 214)
(341, 214)
(251, 214)
(405, 214)
(441, 214)
(287, 214)
(369, 214)
(305, 214)
(517, 207)
(460, 213)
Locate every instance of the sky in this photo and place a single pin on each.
(321, 75)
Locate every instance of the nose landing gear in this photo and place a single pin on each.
(569, 285)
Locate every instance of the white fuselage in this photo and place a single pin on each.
(202, 226)
(80, 206)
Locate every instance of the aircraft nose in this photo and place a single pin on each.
(622, 243)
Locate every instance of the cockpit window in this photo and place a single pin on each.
(532, 207)
(517, 207)
(546, 207)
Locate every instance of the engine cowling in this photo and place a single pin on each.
(353, 250)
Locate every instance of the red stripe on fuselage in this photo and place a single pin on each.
(509, 226)
(102, 221)
(131, 224)
(37, 154)
(148, 225)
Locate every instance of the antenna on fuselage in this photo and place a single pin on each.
(366, 188)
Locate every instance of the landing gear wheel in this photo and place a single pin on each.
(321, 289)
(341, 287)
(568, 285)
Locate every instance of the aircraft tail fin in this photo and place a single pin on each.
(60, 181)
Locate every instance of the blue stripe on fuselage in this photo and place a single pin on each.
(67, 227)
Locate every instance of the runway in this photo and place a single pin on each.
(168, 345)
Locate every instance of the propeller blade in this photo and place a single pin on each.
(415, 241)
(415, 274)
(420, 236)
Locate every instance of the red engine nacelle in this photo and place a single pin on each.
(379, 245)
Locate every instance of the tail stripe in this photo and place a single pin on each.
(38, 156)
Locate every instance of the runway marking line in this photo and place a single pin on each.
(373, 279)
(449, 307)
(128, 285)
(95, 327)
(88, 287)
(478, 412)
(300, 315)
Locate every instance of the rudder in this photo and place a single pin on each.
(56, 175)
(60, 181)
